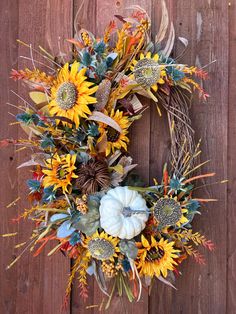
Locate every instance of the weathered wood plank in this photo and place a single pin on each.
(42, 280)
(231, 280)
(203, 289)
(37, 285)
(8, 191)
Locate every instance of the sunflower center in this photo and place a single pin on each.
(167, 211)
(147, 72)
(155, 253)
(101, 249)
(61, 173)
(66, 95)
(112, 134)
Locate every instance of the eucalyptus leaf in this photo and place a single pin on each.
(90, 270)
(65, 229)
(57, 217)
(128, 248)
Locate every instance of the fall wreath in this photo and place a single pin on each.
(85, 196)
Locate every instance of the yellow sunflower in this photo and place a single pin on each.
(59, 172)
(115, 139)
(147, 72)
(71, 94)
(155, 258)
(102, 246)
(169, 212)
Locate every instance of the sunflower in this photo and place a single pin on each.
(169, 212)
(60, 172)
(102, 246)
(155, 258)
(147, 72)
(115, 139)
(71, 94)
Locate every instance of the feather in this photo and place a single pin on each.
(183, 41)
(164, 23)
(166, 282)
(135, 272)
(100, 278)
(101, 117)
(36, 159)
(170, 42)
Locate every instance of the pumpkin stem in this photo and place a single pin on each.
(128, 212)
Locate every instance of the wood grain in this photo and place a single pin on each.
(8, 191)
(231, 254)
(40, 278)
(202, 289)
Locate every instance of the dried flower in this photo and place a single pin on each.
(110, 269)
(81, 204)
(93, 176)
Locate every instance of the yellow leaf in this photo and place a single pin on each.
(125, 91)
(44, 109)
(38, 97)
(31, 130)
(118, 168)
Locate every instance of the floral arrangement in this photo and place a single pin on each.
(84, 195)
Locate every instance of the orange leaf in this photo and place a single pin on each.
(200, 177)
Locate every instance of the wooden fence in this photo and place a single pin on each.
(36, 285)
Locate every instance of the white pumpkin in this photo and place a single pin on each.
(123, 213)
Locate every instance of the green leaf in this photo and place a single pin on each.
(90, 221)
(24, 118)
(86, 59)
(47, 142)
